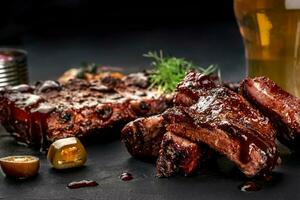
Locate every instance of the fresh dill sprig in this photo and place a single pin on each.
(169, 71)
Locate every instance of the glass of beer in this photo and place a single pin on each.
(271, 35)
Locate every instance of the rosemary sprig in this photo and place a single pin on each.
(169, 71)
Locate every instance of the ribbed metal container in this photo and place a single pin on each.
(13, 67)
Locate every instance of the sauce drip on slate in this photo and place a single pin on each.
(250, 186)
(126, 176)
(83, 183)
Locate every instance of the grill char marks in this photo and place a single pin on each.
(280, 106)
(177, 155)
(49, 111)
(143, 136)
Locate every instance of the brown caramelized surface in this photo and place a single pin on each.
(177, 155)
(49, 110)
(214, 109)
(280, 106)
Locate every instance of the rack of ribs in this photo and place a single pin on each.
(206, 112)
(280, 106)
(47, 111)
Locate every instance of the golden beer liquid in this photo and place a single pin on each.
(271, 34)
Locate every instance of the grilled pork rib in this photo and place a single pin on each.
(177, 155)
(143, 136)
(208, 113)
(48, 111)
(280, 106)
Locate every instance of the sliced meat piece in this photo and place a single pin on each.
(206, 112)
(48, 111)
(177, 155)
(249, 152)
(143, 136)
(215, 115)
(280, 106)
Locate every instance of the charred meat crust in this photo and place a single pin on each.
(280, 106)
(47, 111)
(177, 155)
(143, 137)
(219, 111)
(206, 112)
(251, 156)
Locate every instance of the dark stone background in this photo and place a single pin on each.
(63, 33)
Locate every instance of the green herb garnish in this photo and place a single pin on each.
(169, 71)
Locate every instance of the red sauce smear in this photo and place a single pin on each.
(126, 176)
(83, 183)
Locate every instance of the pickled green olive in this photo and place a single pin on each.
(20, 167)
(67, 153)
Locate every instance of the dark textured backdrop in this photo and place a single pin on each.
(40, 17)
(63, 33)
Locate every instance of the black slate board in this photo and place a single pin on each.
(218, 43)
(107, 161)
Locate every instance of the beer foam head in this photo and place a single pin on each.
(292, 4)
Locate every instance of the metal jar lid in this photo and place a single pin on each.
(13, 67)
